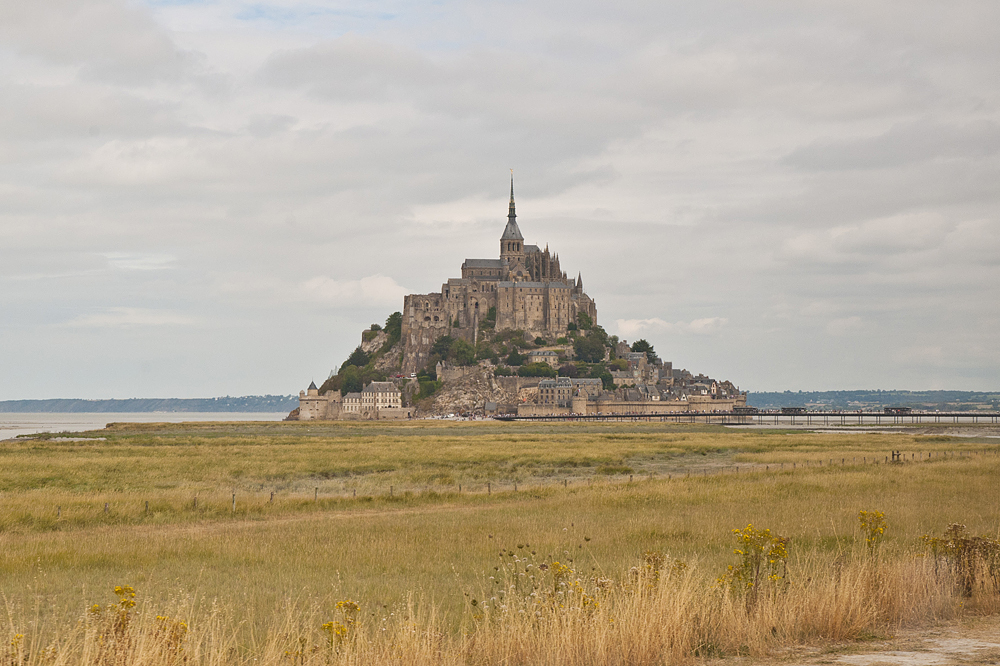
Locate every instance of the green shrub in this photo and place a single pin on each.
(536, 370)
(428, 387)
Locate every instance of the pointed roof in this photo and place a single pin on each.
(512, 232)
(312, 385)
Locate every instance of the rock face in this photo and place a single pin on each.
(389, 363)
(374, 343)
(471, 393)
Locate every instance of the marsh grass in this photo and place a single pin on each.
(649, 616)
(253, 584)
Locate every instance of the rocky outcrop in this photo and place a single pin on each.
(471, 392)
(373, 342)
(389, 363)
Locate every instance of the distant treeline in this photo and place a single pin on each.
(874, 399)
(247, 403)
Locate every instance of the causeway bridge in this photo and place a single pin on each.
(785, 417)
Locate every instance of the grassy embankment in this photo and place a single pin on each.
(229, 574)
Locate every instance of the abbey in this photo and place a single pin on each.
(525, 288)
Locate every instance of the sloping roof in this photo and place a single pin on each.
(528, 249)
(312, 385)
(381, 387)
(511, 232)
(354, 394)
(482, 263)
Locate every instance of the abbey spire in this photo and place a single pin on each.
(512, 242)
(511, 233)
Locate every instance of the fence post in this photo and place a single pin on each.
(390, 491)
(105, 507)
(147, 506)
(489, 490)
(271, 501)
(234, 502)
(316, 495)
(58, 512)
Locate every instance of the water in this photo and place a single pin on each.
(14, 424)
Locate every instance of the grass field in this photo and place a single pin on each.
(314, 522)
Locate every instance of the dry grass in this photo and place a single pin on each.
(252, 586)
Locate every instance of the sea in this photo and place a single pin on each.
(14, 424)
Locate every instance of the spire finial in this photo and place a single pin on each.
(510, 213)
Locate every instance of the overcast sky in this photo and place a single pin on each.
(210, 198)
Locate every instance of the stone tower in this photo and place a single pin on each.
(512, 242)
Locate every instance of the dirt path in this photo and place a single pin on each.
(972, 641)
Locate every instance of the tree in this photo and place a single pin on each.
(332, 383)
(491, 319)
(536, 370)
(605, 377)
(357, 358)
(540, 341)
(642, 346)
(350, 379)
(585, 321)
(462, 353)
(589, 348)
(394, 327)
(569, 370)
(514, 358)
(442, 346)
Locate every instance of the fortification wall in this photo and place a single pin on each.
(533, 409)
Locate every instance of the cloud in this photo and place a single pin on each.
(374, 290)
(902, 144)
(132, 261)
(289, 166)
(119, 317)
(631, 328)
(110, 40)
(844, 326)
